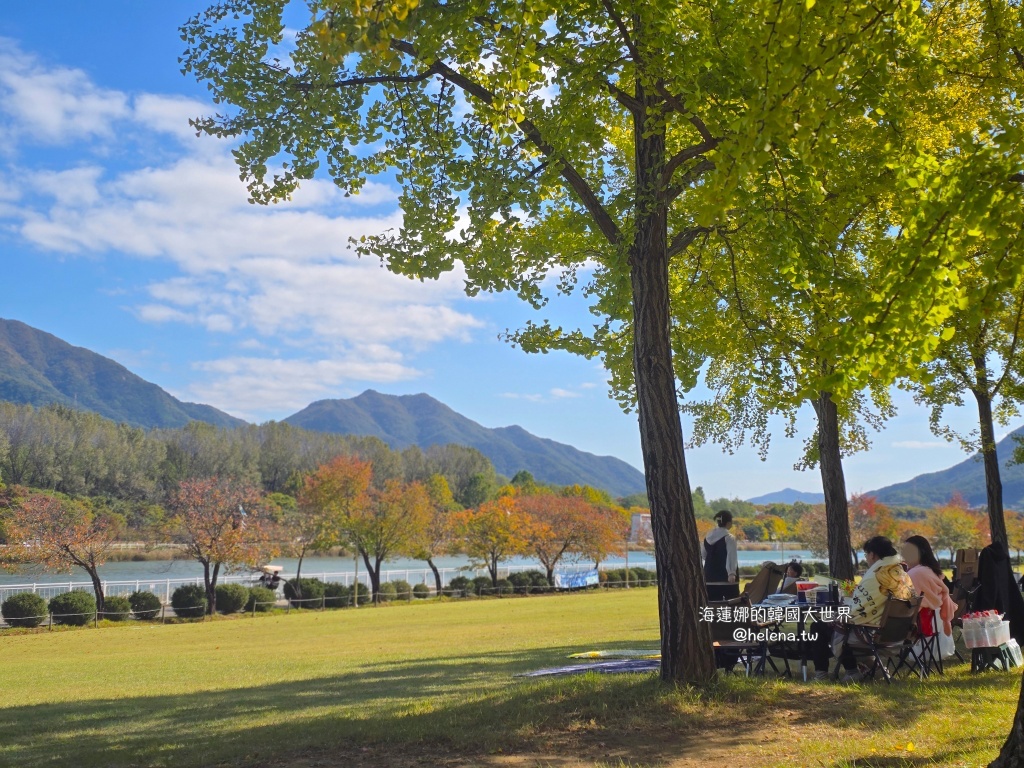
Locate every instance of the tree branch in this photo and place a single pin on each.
(682, 156)
(1011, 355)
(627, 39)
(684, 238)
(677, 106)
(576, 182)
(671, 193)
(370, 80)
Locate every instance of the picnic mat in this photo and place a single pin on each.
(605, 667)
(634, 653)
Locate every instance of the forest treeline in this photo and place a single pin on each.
(79, 453)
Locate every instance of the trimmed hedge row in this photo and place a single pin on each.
(78, 608)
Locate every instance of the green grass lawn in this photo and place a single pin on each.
(431, 684)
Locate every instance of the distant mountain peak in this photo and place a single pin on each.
(788, 496)
(967, 478)
(37, 368)
(422, 420)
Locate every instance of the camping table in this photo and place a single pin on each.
(804, 611)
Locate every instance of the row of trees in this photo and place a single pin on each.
(226, 524)
(83, 454)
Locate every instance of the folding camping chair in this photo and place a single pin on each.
(753, 654)
(965, 586)
(929, 653)
(764, 583)
(892, 637)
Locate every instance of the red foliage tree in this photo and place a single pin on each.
(56, 534)
(221, 524)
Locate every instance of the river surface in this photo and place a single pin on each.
(159, 570)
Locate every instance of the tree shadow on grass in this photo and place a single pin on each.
(440, 711)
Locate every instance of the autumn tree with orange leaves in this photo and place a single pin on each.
(869, 517)
(556, 525)
(494, 532)
(437, 537)
(222, 525)
(56, 534)
(327, 500)
(388, 522)
(605, 533)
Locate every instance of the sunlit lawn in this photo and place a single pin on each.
(432, 684)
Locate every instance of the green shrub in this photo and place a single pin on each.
(260, 600)
(387, 592)
(539, 581)
(420, 591)
(403, 590)
(336, 595)
(312, 593)
(614, 578)
(459, 586)
(116, 608)
(482, 585)
(645, 578)
(363, 593)
(231, 598)
(521, 583)
(189, 601)
(504, 587)
(76, 608)
(145, 605)
(25, 609)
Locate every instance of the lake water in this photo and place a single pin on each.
(160, 570)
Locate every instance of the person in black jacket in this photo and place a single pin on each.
(997, 588)
(720, 558)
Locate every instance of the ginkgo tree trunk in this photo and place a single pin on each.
(529, 138)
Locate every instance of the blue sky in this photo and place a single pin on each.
(122, 232)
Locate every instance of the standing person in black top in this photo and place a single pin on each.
(720, 550)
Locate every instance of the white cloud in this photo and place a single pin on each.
(281, 275)
(167, 114)
(556, 393)
(245, 385)
(920, 444)
(533, 398)
(53, 104)
(561, 394)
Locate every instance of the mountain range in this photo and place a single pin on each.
(788, 496)
(967, 478)
(406, 420)
(37, 368)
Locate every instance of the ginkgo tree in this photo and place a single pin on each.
(592, 138)
(985, 359)
(970, 196)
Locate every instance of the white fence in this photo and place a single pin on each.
(163, 588)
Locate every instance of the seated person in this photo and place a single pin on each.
(793, 573)
(883, 579)
(719, 551)
(927, 576)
